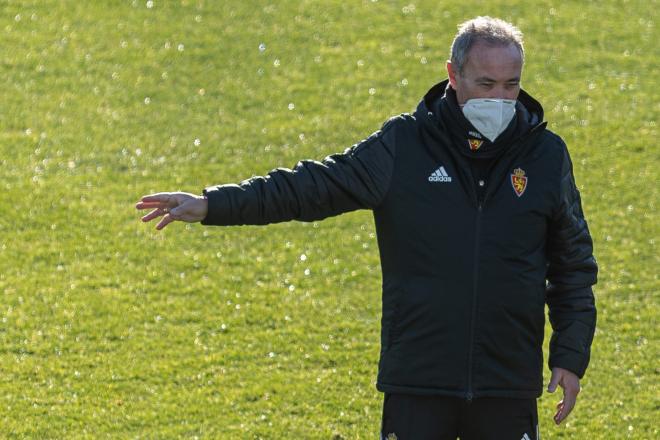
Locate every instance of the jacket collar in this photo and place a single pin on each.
(439, 110)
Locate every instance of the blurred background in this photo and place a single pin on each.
(109, 328)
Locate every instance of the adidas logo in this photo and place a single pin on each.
(525, 437)
(440, 175)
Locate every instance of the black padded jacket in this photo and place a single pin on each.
(468, 266)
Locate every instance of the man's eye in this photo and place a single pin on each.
(486, 85)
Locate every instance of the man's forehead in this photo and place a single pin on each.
(497, 62)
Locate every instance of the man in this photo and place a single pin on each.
(479, 226)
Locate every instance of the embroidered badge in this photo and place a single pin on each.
(475, 144)
(519, 181)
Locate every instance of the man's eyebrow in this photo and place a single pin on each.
(487, 79)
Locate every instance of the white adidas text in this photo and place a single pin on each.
(439, 175)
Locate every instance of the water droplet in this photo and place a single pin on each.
(147, 100)
(291, 106)
(292, 288)
(303, 257)
(197, 142)
(423, 60)
(276, 63)
(262, 47)
(17, 18)
(307, 272)
(360, 63)
(150, 4)
(372, 91)
(404, 82)
(180, 47)
(198, 18)
(270, 355)
(28, 131)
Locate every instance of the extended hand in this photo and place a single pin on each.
(570, 383)
(173, 206)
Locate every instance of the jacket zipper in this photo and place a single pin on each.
(475, 275)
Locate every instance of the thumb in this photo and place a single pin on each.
(554, 381)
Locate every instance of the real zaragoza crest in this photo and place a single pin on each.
(475, 144)
(519, 181)
(391, 436)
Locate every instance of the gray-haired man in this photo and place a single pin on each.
(479, 226)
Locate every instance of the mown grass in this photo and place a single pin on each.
(111, 329)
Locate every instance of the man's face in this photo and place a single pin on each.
(489, 72)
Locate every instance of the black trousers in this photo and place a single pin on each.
(408, 417)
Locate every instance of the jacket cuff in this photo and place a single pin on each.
(573, 362)
(219, 208)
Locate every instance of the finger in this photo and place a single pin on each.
(158, 197)
(570, 396)
(166, 220)
(554, 381)
(557, 415)
(149, 205)
(153, 214)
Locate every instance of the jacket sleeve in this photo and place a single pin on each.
(571, 272)
(358, 178)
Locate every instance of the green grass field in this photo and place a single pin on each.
(110, 329)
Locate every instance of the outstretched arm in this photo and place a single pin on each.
(358, 178)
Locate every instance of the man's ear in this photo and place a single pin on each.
(452, 75)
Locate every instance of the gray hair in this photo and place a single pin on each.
(492, 31)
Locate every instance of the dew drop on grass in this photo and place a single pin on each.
(150, 4)
(262, 47)
(291, 106)
(197, 142)
(147, 100)
(372, 91)
(303, 257)
(180, 47)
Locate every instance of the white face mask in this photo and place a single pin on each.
(490, 116)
